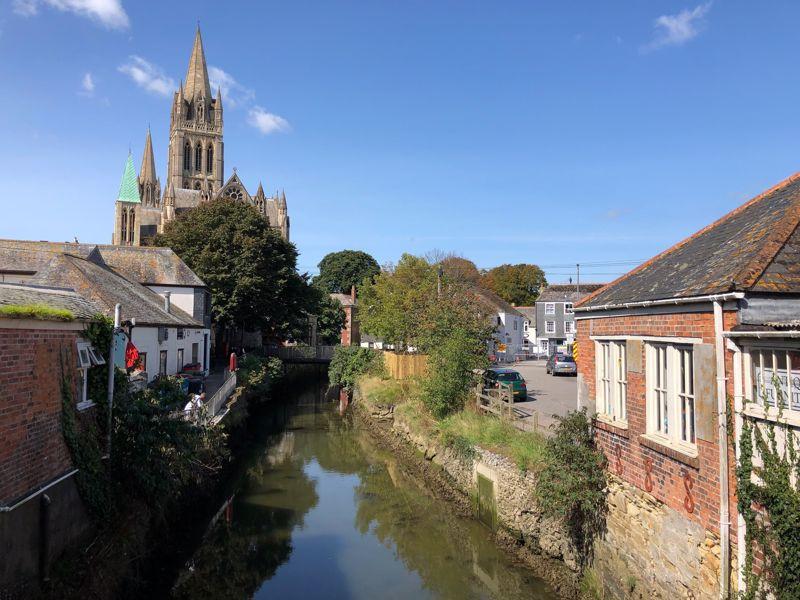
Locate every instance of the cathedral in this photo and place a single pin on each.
(195, 166)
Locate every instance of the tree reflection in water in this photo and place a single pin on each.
(452, 557)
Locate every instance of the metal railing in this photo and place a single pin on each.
(302, 353)
(224, 392)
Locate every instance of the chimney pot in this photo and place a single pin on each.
(353, 294)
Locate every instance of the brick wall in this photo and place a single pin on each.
(32, 448)
(656, 469)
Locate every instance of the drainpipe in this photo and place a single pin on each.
(111, 368)
(738, 408)
(722, 427)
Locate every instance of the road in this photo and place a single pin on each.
(547, 395)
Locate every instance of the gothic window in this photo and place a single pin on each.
(234, 193)
(198, 158)
(187, 157)
(189, 111)
(123, 237)
(197, 185)
(131, 226)
(210, 160)
(200, 107)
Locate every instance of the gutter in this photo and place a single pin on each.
(663, 302)
(6, 508)
(762, 334)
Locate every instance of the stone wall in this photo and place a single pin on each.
(648, 551)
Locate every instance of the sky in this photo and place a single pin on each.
(553, 133)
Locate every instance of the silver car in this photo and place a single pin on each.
(561, 364)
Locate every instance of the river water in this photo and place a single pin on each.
(320, 511)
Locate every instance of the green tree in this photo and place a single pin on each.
(330, 316)
(518, 284)
(393, 307)
(340, 271)
(460, 269)
(249, 268)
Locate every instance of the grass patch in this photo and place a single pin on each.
(467, 429)
(41, 312)
(377, 391)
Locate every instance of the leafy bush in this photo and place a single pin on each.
(349, 363)
(572, 486)
(258, 373)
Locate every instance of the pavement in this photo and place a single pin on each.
(548, 395)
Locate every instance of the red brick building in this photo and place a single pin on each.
(663, 349)
(350, 332)
(37, 491)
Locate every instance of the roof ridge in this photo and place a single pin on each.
(784, 183)
(751, 272)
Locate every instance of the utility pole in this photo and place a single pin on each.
(439, 273)
(111, 369)
(578, 280)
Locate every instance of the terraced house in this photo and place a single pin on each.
(169, 304)
(710, 324)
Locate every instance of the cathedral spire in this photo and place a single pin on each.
(129, 187)
(197, 74)
(219, 98)
(148, 171)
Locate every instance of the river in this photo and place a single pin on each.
(320, 511)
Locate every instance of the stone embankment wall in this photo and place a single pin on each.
(648, 551)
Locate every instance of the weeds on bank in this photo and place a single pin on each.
(526, 449)
(35, 311)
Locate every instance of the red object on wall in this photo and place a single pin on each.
(232, 365)
(131, 355)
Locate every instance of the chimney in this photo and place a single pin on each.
(166, 301)
(353, 294)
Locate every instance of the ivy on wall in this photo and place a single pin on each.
(769, 501)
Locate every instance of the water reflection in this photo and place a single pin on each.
(323, 513)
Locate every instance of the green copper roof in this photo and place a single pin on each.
(129, 188)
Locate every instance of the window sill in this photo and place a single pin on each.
(85, 405)
(757, 411)
(682, 454)
(605, 423)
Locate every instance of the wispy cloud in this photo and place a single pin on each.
(234, 94)
(615, 213)
(87, 85)
(676, 30)
(266, 122)
(108, 13)
(148, 76)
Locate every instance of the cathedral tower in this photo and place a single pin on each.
(126, 208)
(195, 158)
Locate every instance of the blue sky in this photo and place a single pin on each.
(544, 132)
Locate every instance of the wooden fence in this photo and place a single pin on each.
(404, 366)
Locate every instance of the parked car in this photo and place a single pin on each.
(561, 364)
(493, 377)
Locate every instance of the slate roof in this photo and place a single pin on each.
(144, 264)
(567, 292)
(495, 302)
(755, 248)
(104, 287)
(344, 299)
(59, 298)
(529, 312)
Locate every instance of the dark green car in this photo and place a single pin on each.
(493, 377)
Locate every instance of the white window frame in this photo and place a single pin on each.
(671, 406)
(568, 309)
(547, 325)
(761, 364)
(611, 367)
(549, 308)
(525, 326)
(569, 327)
(88, 356)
